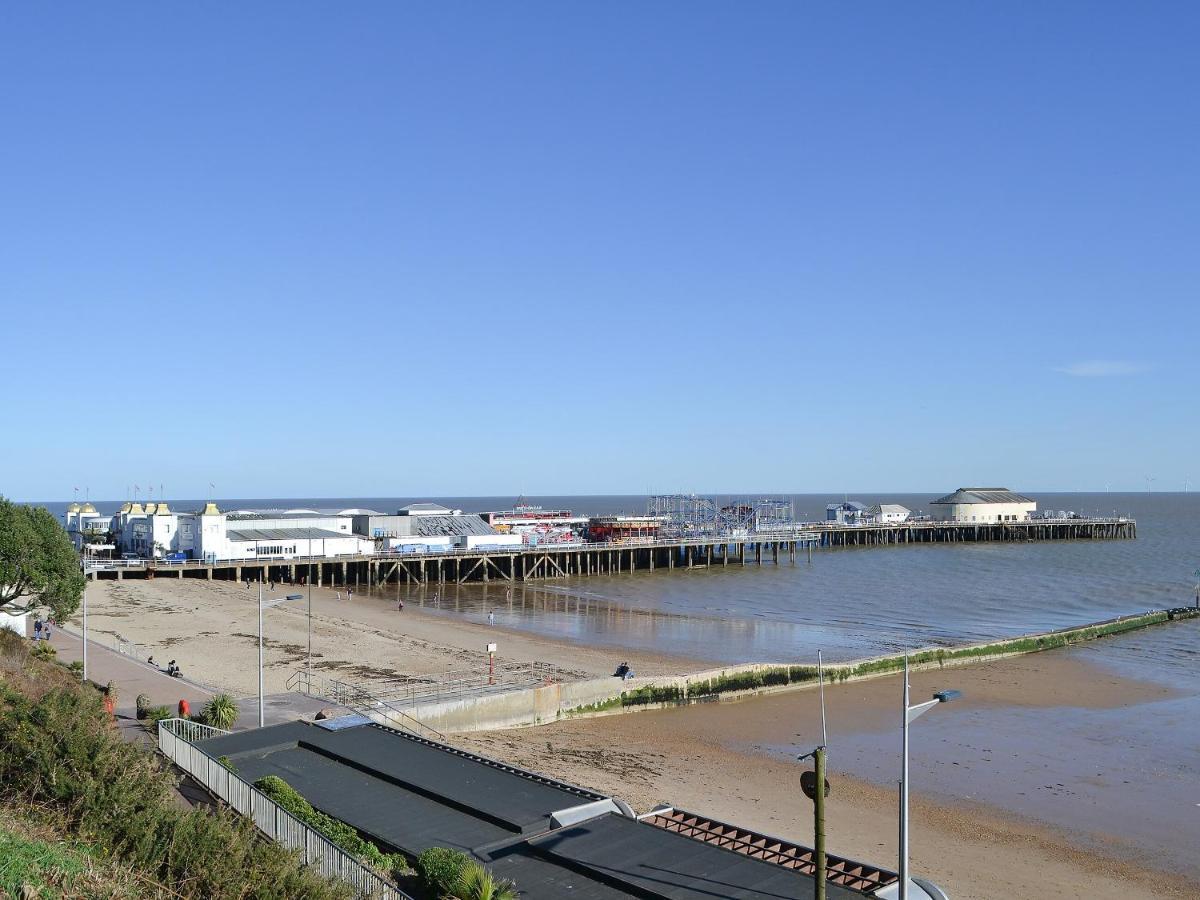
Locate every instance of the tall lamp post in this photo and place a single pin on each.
(262, 605)
(911, 712)
(85, 639)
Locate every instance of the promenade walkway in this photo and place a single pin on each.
(133, 677)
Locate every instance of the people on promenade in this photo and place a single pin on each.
(37, 628)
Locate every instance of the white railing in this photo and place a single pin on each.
(807, 531)
(175, 740)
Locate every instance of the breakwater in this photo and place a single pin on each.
(609, 696)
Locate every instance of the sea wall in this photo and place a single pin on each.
(608, 696)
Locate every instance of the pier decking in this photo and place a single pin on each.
(530, 563)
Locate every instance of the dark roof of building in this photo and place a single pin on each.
(284, 534)
(409, 794)
(647, 861)
(982, 495)
(368, 774)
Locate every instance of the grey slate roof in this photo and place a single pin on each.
(982, 495)
(443, 526)
(284, 534)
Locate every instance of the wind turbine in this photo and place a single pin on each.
(1149, 480)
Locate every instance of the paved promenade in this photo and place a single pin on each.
(134, 677)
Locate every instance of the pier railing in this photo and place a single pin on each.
(177, 740)
(808, 532)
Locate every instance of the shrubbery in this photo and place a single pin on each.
(59, 751)
(440, 870)
(336, 830)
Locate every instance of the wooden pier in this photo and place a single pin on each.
(534, 563)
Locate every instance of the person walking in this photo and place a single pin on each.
(37, 628)
(492, 617)
(399, 606)
(350, 594)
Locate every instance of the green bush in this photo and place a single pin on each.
(336, 830)
(155, 714)
(477, 883)
(59, 751)
(43, 650)
(220, 712)
(76, 667)
(440, 870)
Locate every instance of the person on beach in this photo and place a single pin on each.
(492, 617)
(399, 606)
(150, 661)
(339, 596)
(350, 594)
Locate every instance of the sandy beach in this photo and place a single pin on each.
(211, 629)
(730, 760)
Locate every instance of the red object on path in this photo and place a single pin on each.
(185, 710)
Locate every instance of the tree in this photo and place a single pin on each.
(37, 561)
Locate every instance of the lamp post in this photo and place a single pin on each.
(912, 712)
(85, 666)
(266, 604)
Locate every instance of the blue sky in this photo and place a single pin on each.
(305, 250)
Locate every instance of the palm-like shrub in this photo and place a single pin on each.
(477, 883)
(440, 869)
(220, 712)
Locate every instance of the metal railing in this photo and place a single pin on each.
(176, 740)
(358, 699)
(807, 531)
(433, 688)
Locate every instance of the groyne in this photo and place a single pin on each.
(609, 696)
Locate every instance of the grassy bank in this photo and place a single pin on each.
(60, 752)
(765, 677)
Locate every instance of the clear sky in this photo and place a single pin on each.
(372, 249)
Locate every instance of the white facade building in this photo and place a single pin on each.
(888, 513)
(982, 505)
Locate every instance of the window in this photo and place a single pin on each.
(187, 529)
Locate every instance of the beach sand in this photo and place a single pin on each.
(720, 759)
(211, 629)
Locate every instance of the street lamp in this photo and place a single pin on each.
(266, 604)
(912, 712)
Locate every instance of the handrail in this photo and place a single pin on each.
(797, 532)
(177, 741)
(360, 700)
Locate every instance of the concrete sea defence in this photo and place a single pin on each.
(608, 696)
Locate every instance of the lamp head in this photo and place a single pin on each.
(946, 696)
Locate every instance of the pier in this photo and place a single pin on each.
(547, 561)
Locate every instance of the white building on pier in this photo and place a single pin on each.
(982, 505)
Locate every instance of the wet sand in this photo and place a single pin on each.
(721, 759)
